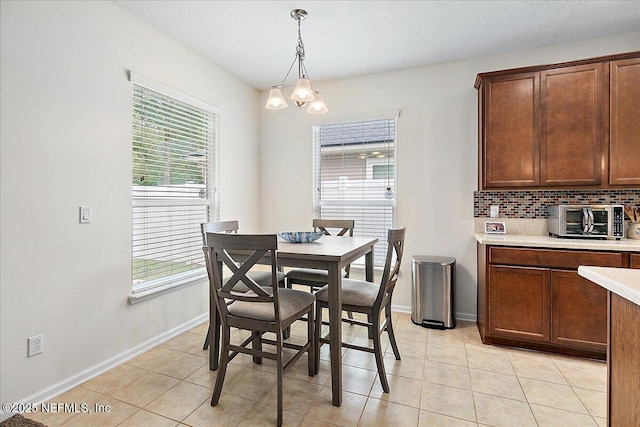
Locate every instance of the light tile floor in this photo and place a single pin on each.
(445, 378)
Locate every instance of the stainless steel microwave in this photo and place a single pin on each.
(586, 221)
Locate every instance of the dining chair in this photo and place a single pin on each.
(259, 310)
(313, 278)
(371, 299)
(262, 277)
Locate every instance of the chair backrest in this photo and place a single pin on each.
(217, 227)
(240, 252)
(344, 226)
(395, 248)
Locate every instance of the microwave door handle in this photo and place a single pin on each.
(591, 221)
(585, 221)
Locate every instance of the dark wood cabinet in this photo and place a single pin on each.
(635, 261)
(511, 131)
(534, 298)
(624, 156)
(572, 121)
(579, 311)
(519, 303)
(569, 125)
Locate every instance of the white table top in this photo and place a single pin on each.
(557, 243)
(624, 282)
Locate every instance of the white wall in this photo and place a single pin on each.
(65, 142)
(436, 152)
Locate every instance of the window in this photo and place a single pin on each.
(173, 185)
(354, 177)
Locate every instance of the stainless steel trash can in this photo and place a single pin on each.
(433, 282)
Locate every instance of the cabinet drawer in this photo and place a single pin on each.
(635, 261)
(569, 259)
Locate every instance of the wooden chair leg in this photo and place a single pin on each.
(280, 377)
(311, 353)
(215, 341)
(318, 335)
(222, 369)
(377, 347)
(256, 344)
(372, 333)
(207, 339)
(392, 337)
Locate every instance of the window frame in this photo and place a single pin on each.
(175, 281)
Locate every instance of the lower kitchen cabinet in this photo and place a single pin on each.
(534, 298)
(578, 311)
(519, 303)
(635, 260)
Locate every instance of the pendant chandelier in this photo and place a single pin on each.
(303, 93)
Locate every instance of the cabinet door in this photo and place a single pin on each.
(571, 149)
(578, 311)
(510, 152)
(635, 261)
(624, 158)
(519, 302)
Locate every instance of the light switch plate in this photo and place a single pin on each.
(495, 212)
(85, 215)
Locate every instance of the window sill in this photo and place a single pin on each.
(137, 297)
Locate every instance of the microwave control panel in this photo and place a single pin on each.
(618, 221)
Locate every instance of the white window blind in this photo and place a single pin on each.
(173, 184)
(354, 177)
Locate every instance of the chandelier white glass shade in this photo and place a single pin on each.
(303, 92)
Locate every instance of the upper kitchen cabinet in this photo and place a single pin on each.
(548, 126)
(624, 157)
(509, 113)
(572, 126)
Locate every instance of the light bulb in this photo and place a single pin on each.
(317, 106)
(275, 101)
(303, 91)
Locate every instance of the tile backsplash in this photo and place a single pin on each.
(533, 203)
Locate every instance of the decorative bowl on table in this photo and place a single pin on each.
(300, 236)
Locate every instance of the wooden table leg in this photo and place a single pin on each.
(368, 266)
(335, 336)
(368, 273)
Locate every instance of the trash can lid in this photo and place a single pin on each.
(428, 259)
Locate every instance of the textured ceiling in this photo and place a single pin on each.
(255, 40)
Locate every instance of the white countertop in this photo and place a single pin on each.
(631, 245)
(624, 282)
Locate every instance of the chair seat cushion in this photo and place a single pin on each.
(261, 277)
(291, 302)
(310, 275)
(354, 292)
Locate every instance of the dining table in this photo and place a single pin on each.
(329, 253)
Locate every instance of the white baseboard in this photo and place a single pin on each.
(401, 308)
(95, 370)
(469, 317)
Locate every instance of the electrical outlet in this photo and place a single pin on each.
(35, 345)
(495, 212)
